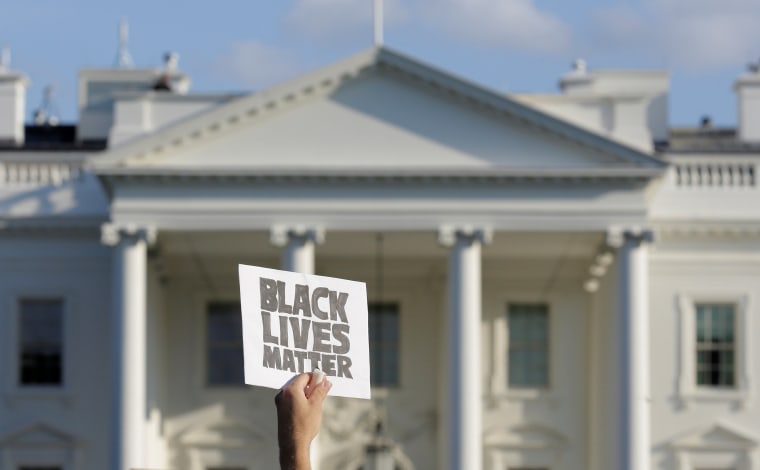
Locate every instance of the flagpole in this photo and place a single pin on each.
(378, 23)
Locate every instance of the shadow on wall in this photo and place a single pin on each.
(76, 197)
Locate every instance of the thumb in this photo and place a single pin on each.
(320, 392)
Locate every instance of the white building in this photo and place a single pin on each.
(602, 270)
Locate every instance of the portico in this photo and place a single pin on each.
(440, 284)
(517, 215)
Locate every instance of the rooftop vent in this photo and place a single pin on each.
(47, 113)
(171, 61)
(580, 66)
(578, 80)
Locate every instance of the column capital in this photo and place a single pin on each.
(280, 235)
(448, 235)
(616, 237)
(112, 234)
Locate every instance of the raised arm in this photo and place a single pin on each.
(299, 415)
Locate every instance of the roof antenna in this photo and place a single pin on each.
(5, 59)
(123, 58)
(378, 23)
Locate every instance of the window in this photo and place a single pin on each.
(714, 358)
(224, 344)
(716, 346)
(40, 342)
(383, 344)
(528, 353)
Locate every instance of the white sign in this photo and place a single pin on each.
(295, 323)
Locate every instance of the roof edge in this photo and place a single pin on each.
(251, 105)
(450, 173)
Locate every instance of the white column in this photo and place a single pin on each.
(298, 256)
(129, 297)
(464, 424)
(634, 443)
(298, 243)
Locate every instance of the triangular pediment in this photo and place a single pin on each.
(717, 436)
(378, 111)
(38, 435)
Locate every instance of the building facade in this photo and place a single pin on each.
(556, 282)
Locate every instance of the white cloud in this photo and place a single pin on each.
(338, 19)
(257, 65)
(619, 27)
(698, 34)
(517, 24)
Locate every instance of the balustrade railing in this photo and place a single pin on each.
(715, 175)
(39, 173)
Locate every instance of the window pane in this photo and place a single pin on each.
(528, 345)
(384, 343)
(703, 359)
(703, 377)
(701, 324)
(727, 359)
(715, 354)
(41, 341)
(726, 377)
(224, 323)
(224, 344)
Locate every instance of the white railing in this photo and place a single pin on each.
(39, 173)
(715, 175)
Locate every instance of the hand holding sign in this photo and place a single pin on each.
(294, 323)
(299, 414)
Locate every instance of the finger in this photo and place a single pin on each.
(317, 376)
(320, 392)
(297, 383)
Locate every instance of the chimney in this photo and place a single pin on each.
(629, 105)
(747, 88)
(12, 102)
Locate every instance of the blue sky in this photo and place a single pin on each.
(507, 45)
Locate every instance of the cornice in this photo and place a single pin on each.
(443, 174)
(56, 226)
